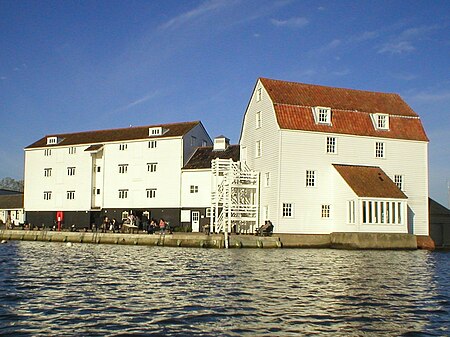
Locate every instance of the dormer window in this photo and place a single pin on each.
(322, 115)
(156, 131)
(52, 140)
(381, 121)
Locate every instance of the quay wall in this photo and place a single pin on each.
(333, 240)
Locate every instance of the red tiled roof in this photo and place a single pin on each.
(350, 109)
(369, 181)
(203, 156)
(111, 135)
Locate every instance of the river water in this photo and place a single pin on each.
(52, 289)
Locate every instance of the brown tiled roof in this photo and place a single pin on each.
(369, 181)
(94, 147)
(111, 135)
(203, 155)
(351, 110)
(11, 201)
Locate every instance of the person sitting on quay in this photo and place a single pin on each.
(162, 226)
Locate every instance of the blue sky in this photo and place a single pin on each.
(68, 66)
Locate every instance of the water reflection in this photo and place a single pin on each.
(98, 290)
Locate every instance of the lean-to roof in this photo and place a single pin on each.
(369, 182)
(351, 110)
(116, 135)
(203, 156)
(11, 201)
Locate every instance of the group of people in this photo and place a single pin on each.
(133, 222)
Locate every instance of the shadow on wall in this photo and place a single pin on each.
(410, 220)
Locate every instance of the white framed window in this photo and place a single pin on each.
(258, 94)
(322, 115)
(123, 168)
(123, 194)
(47, 195)
(331, 145)
(398, 180)
(47, 172)
(258, 119)
(151, 193)
(123, 147)
(288, 210)
(351, 215)
(70, 195)
(151, 167)
(156, 131)
(152, 144)
(326, 211)
(193, 141)
(382, 212)
(208, 212)
(72, 150)
(194, 189)
(381, 121)
(71, 171)
(310, 178)
(47, 152)
(258, 148)
(52, 140)
(267, 179)
(379, 150)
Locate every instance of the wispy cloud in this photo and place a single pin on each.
(138, 101)
(404, 42)
(291, 23)
(432, 97)
(203, 9)
(3, 78)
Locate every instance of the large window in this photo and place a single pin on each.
(331, 145)
(382, 212)
(379, 150)
(310, 178)
(288, 210)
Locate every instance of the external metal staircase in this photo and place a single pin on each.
(234, 199)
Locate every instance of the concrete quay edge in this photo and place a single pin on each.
(200, 240)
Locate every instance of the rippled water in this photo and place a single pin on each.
(51, 289)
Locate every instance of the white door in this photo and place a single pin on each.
(196, 221)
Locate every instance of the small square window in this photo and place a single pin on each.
(47, 172)
(151, 167)
(123, 147)
(123, 194)
(71, 171)
(123, 168)
(194, 189)
(325, 211)
(152, 144)
(381, 121)
(47, 195)
(70, 195)
(72, 150)
(151, 193)
(47, 152)
(322, 115)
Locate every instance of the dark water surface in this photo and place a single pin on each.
(51, 289)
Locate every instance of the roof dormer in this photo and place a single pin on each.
(322, 115)
(155, 131)
(53, 140)
(380, 121)
(221, 143)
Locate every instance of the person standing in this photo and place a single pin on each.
(162, 226)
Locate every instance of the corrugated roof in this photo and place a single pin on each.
(369, 181)
(203, 156)
(111, 135)
(11, 201)
(351, 110)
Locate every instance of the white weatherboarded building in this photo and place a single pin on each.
(90, 175)
(336, 160)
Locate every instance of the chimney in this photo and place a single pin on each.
(221, 143)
